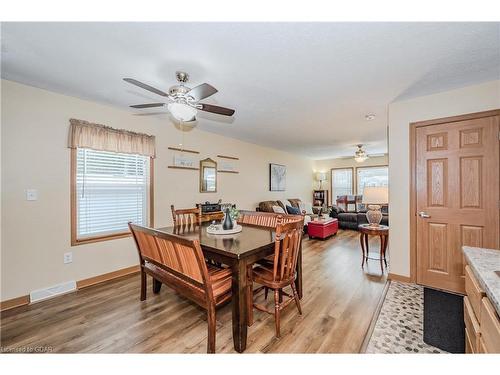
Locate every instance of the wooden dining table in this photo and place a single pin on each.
(237, 251)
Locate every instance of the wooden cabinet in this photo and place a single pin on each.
(482, 323)
(490, 327)
(474, 292)
(472, 328)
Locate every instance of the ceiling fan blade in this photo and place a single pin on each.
(216, 109)
(150, 105)
(202, 91)
(144, 86)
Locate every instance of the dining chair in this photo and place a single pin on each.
(186, 216)
(179, 263)
(279, 273)
(266, 219)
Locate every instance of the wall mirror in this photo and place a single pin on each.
(208, 176)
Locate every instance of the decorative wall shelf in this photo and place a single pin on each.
(179, 167)
(228, 157)
(183, 150)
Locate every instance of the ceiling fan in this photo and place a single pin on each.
(183, 102)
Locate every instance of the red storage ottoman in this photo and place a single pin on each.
(322, 228)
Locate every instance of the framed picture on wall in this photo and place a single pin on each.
(277, 177)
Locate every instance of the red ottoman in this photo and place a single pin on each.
(322, 228)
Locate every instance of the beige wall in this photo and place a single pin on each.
(327, 164)
(470, 99)
(36, 234)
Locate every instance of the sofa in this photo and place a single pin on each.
(305, 209)
(351, 220)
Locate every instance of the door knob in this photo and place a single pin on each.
(422, 214)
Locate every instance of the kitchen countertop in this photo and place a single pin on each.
(484, 263)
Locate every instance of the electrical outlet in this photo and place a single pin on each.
(68, 258)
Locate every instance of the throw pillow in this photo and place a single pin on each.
(337, 210)
(293, 210)
(284, 203)
(307, 207)
(278, 210)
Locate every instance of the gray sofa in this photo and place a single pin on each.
(351, 220)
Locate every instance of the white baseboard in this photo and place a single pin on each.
(56, 290)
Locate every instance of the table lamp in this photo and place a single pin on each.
(375, 196)
(320, 176)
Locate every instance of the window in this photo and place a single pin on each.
(372, 176)
(341, 182)
(110, 189)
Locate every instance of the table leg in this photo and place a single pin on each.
(298, 280)
(156, 286)
(362, 242)
(386, 240)
(239, 304)
(382, 240)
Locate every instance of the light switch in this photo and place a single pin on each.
(31, 194)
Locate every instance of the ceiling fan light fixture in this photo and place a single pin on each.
(360, 155)
(182, 112)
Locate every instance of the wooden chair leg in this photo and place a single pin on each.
(277, 311)
(156, 286)
(211, 329)
(249, 297)
(266, 290)
(296, 298)
(143, 285)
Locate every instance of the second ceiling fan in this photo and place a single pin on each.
(183, 102)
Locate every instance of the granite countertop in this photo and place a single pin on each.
(484, 263)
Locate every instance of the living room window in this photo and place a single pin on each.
(110, 190)
(111, 181)
(371, 176)
(342, 182)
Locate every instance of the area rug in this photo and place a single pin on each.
(399, 326)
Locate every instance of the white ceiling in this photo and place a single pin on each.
(299, 87)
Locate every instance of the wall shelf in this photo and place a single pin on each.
(183, 150)
(228, 157)
(179, 167)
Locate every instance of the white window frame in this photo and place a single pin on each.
(369, 167)
(351, 170)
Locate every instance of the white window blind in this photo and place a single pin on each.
(341, 182)
(111, 190)
(372, 176)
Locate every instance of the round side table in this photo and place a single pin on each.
(382, 231)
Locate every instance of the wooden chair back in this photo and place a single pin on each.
(286, 250)
(186, 216)
(266, 219)
(181, 259)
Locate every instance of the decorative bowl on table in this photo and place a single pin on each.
(217, 229)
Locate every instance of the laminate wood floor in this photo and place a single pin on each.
(338, 305)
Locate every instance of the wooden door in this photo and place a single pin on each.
(457, 197)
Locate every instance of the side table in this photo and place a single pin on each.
(382, 231)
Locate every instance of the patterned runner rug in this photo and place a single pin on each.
(399, 325)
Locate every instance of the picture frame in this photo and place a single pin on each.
(277, 177)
